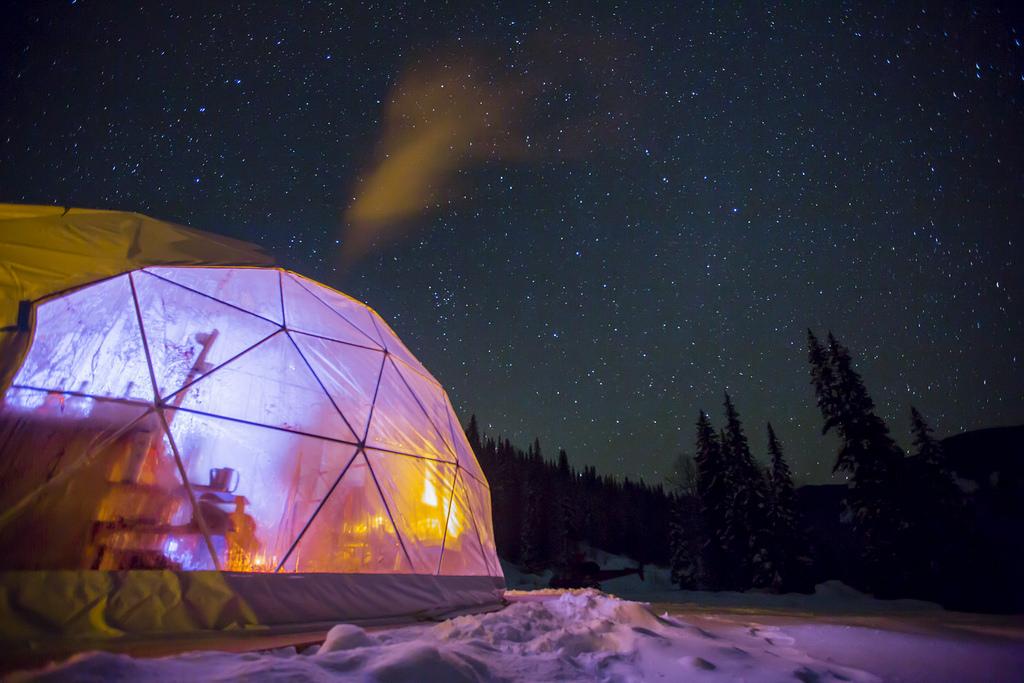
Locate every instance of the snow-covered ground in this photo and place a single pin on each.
(585, 635)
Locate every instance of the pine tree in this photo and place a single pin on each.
(734, 532)
(509, 527)
(782, 517)
(869, 458)
(563, 463)
(824, 381)
(926, 448)
(747, 535)
(783, 492)
(565, 531)
(685, 539)
(473, 435)
(529, 534)
(713, 494)
(936, 510)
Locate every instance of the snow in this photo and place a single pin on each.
(586, 635)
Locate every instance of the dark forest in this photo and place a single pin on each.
(932, 524)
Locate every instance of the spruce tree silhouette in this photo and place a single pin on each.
(782, 517)
(686, 538)
(872, 463)
(747, 532)
(473, 435)
(936, 512)
(713, 492)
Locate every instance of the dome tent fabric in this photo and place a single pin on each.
(214, 447)
(46, 249)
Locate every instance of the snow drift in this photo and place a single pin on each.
(571, 635)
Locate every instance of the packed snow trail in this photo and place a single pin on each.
(583, 635)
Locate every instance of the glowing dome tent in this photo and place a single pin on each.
(246, 420)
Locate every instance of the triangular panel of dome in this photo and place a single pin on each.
(190, 334)
(89, 341)
(399, 423)
(463, 451)
(431, 397)
(352, 532)
(257, 487)
(463, 552)
(306, 313)
(418, 492)
(350, 309)
(396, 346)
(256, 290)
(120, 506)
(152, 491)
(55, 432)
(348, 373)
(480, 507)
(268, 385)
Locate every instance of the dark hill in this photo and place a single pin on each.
(993, 459)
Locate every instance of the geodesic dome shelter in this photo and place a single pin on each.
(247, 420)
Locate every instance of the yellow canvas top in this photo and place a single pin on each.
(47, 249)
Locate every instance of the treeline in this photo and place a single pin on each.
(736, 526)
(734, 523)
(906, 514)
(727, 522)
(543, 510)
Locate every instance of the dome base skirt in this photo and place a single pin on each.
(50, 614)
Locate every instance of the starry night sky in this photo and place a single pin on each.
(671, 193)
